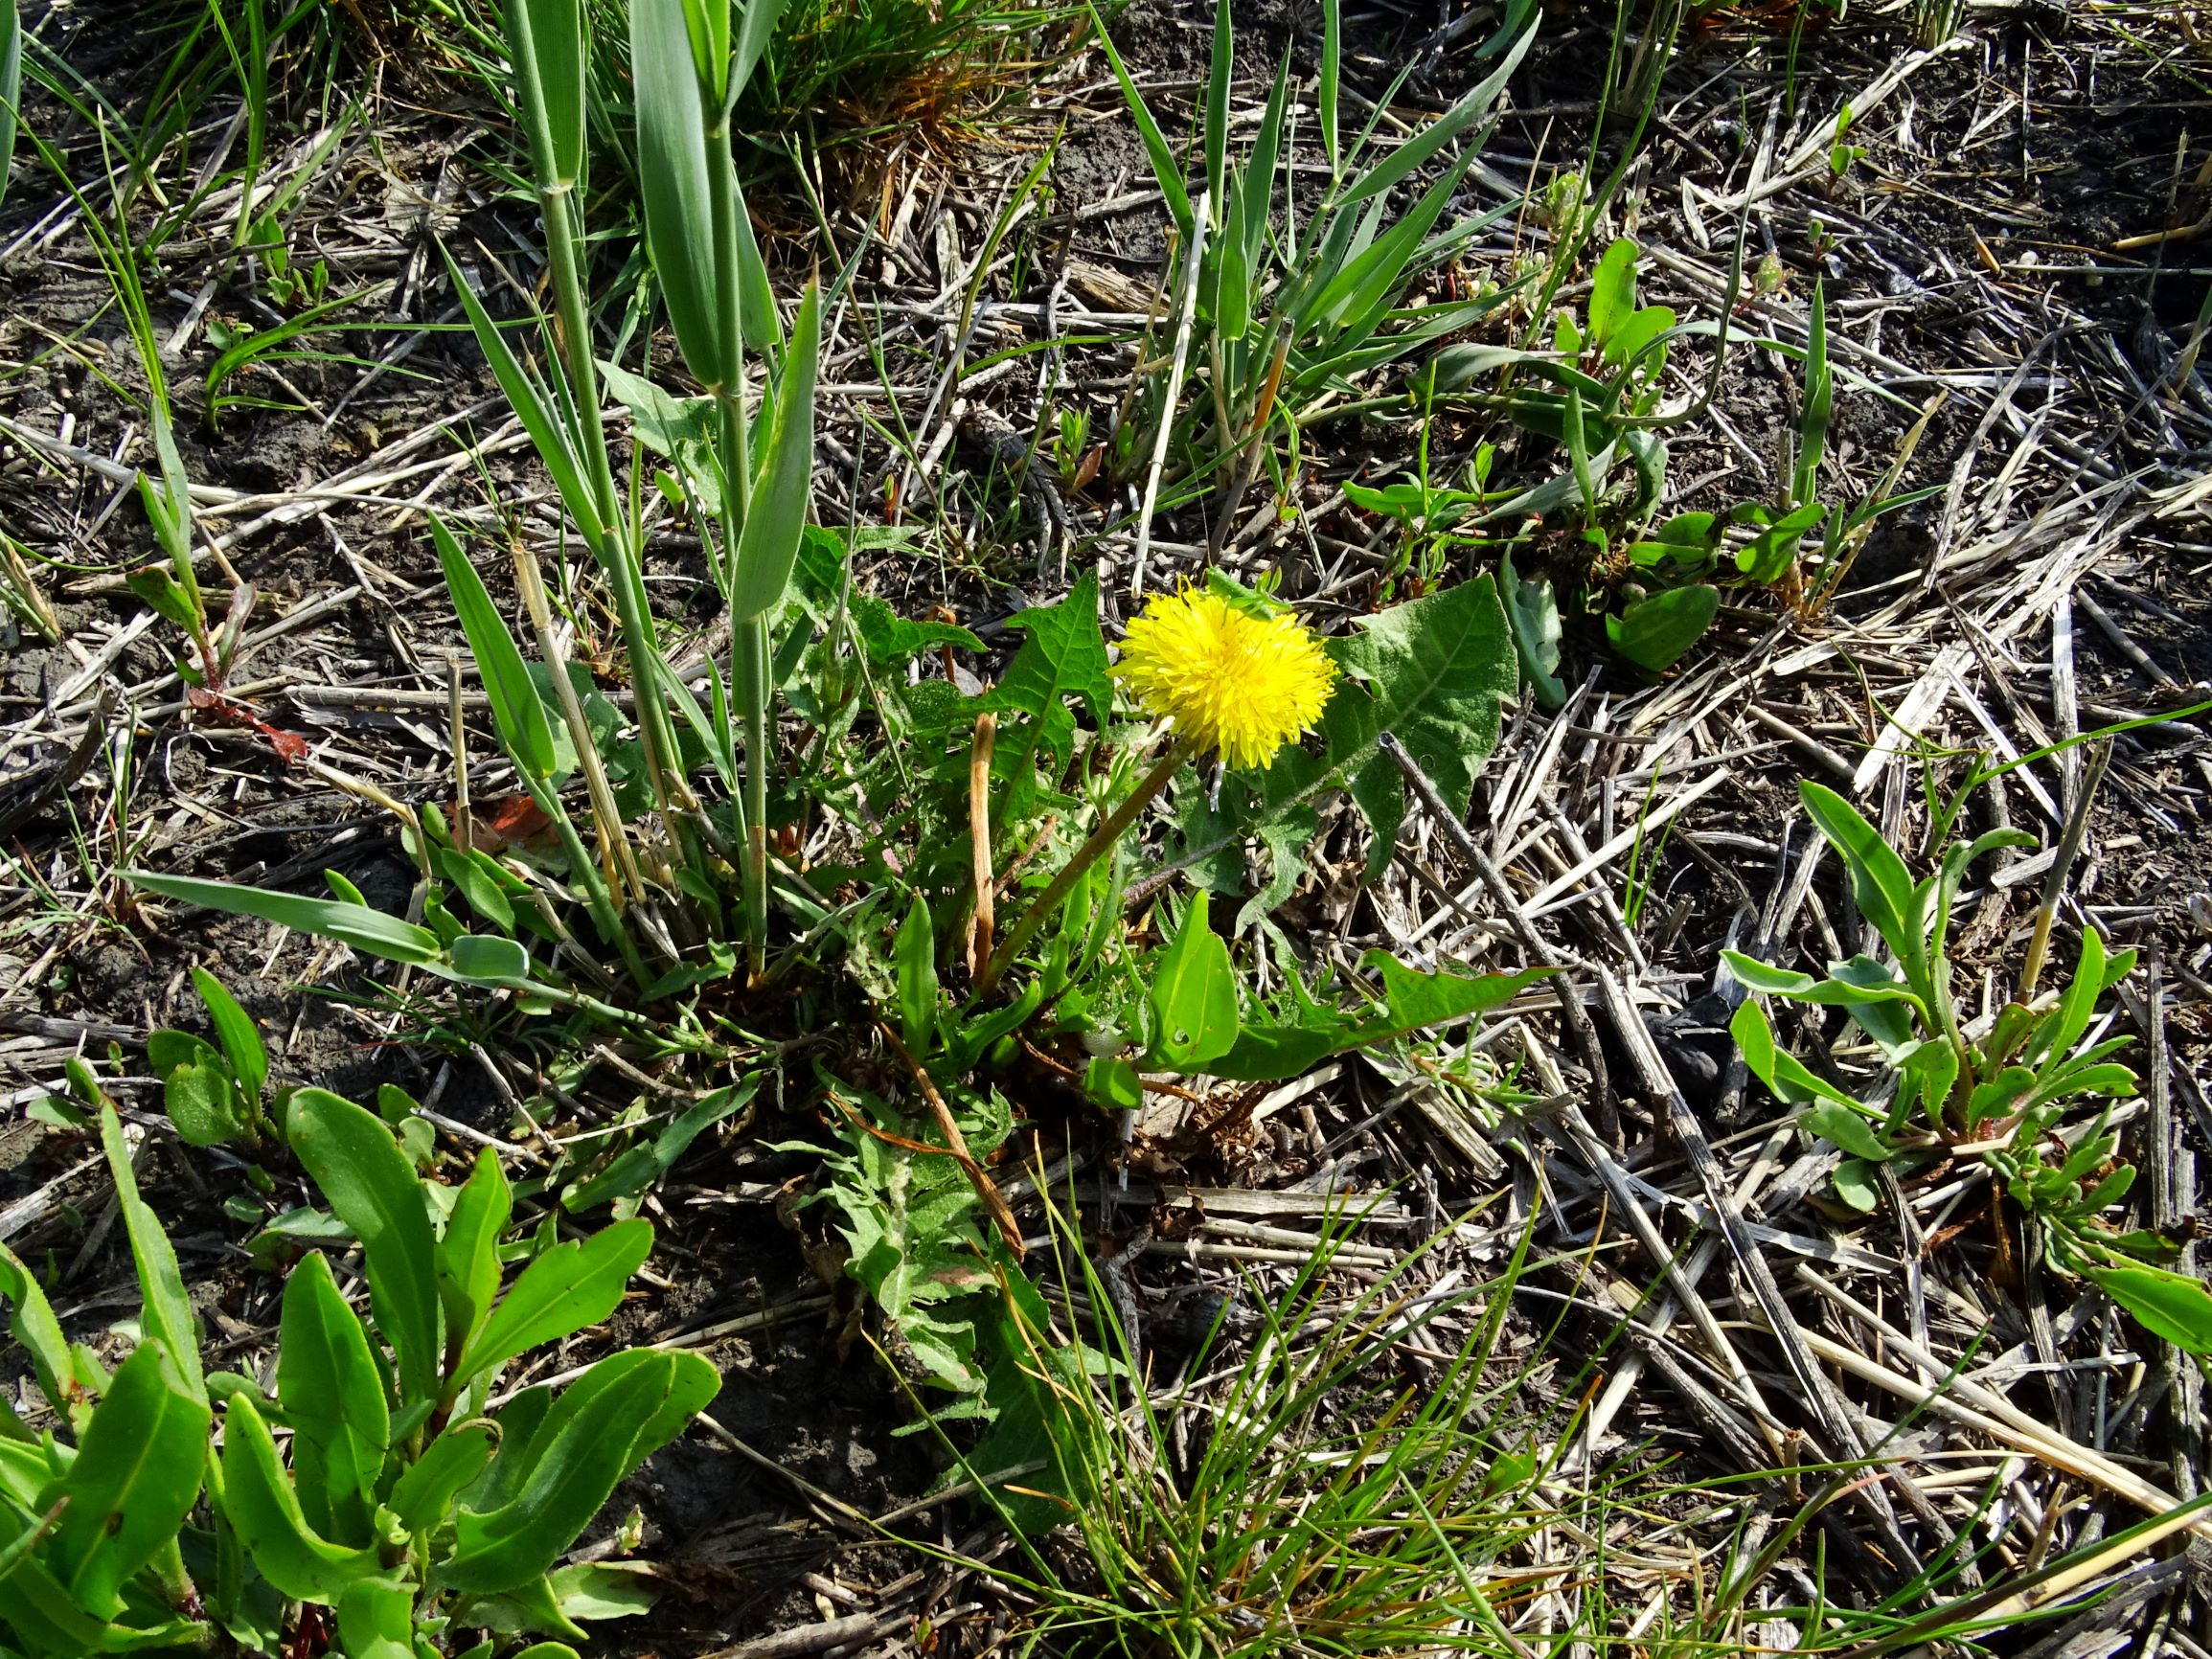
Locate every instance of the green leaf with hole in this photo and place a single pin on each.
(135, 1477)
(1192, 996)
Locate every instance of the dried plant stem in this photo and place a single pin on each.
(979, 841)
(2061, 866)
(623, 882)
(1187, 307)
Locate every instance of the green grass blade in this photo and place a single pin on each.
(1332, 62)
(673, 181)
(1819, 400)
(755, 29)
(1218, 81)
(11, 84)
(517, 709)
(778, 514)
(546, 40)
(549, 433)
(1416, 151)
(1165, 169)
(367, 929)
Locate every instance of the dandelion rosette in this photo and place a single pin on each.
(1230, 680)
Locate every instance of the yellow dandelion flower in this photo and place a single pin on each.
(1230, 680)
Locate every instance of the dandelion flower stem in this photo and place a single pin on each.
(1116, 825)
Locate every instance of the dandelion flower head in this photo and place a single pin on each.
(1230, 680)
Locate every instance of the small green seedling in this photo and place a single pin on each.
(2004, 1095)
(212, 1091)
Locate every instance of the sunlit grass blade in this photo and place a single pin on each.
(547, 39)
(755, 29)
(11, 84)
(517, 709)
(777, 517)
(1218, 83)
(1416, 151)
(548, 433)
(1166, 171)
(672, 176)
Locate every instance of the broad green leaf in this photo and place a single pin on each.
(241, 1041)
(259, 1503)
(1194, 995)
(1434, 672)
(1062, 655)
(1415, 1000)
(486, 959)
(1612, 291)
(1654, 633)
(1275, 1054)
(372, 1187)
(468, 1255)
(1859, 1184)
(33, 1324)
(333, 1399)
(517, 709)
(202, 1105)
(165, 1313)
(136, 1478)
(369, 931)
(1782, 1073)
(1533, 610)
(546, 39)
(484, 895)
(1113, 1084)
(768, 545)
(1845, 1127)
(1880, 886)
(2167, 1305)
(915, 952)
(421, 1496)
(673, 181)
(576, 1458)
(377, 1616)
(570, 1287)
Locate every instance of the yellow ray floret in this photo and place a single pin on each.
(1230, 680)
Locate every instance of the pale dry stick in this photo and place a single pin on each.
(1834, 1414)
(2163, 1166)
(624, 884)
(1610, 907)
(2061, 866)
(1572, 1014)
(1620, 1188)
(1187, 307)
(1976, 1407)
(980, 922)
